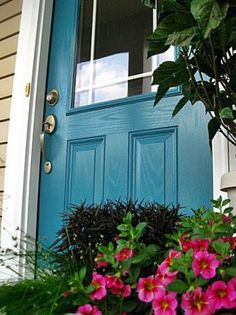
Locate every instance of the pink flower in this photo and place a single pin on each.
(117, 286)
(226, 219)
(99, 261)
(165, 277)
(231, 240)
(186, 242)
(205, 264)
(114, 281)
(195, 303)
(124, 254)
(169, 259)
(163, 274)
(99, 283)
(124, 292)
(147, 287)
(232, 283)
(200, 245)
(164, 303)
(221, 295)
(88, 309)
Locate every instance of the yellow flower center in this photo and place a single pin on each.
(164, 305)
(221, 293)
(204, 264)
(149, 286)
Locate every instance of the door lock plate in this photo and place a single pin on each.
(49, 124)
(52, 97)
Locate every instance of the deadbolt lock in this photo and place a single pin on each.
(49, 124)
(52, 97)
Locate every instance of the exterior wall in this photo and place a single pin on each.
(10, 15)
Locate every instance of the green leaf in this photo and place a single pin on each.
(161, 91)
(231, 272)
(175, 22)
(228, 210)
(178, 286)
(128, 305)
(152, 249)
(182, 38)
(104, 250)
(209, 14)
(225, 202)
(111, 247)
(157, 46)
(82, 273)
(109, 259)
(180, 105)
(213, 127)
(123, 228)
(138, 258)
(139, 229)
(90, 288)
(122, 243)
(221, 247)
(170, 73)
(134, 273)
(200, 282)
(226, 113)
(126, 264)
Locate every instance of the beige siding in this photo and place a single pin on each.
(3, 148)
(9, 9)
(10, 14)
(7, 66)
(8, 46)
(5, 108)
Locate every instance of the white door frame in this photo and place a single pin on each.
(23, 151)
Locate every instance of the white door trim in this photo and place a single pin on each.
(23, 151)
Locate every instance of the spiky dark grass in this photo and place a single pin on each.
(85, 226)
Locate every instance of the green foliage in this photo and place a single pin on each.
(204, 32)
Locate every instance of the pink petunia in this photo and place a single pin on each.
(186, 242)
(88, 309)
(195, 303)
(164, 303)
(147, 287)
(167, 262)
(117, 286)
(205, 264)
(221, 295)
(226, 219)
(200, 245)
(124, 254)
(164, 276)
(99, 283)
(232, 283)
(100, 263)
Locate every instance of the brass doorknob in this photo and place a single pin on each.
(52, 97)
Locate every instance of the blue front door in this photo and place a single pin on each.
(110, 142)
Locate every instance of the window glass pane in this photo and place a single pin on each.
(112, 50)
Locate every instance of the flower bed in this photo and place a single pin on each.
(195, 275)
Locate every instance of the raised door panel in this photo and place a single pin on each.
(153, 165)
(85, 173)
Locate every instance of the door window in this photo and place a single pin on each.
(112, 51)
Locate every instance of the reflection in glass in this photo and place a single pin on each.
(112, 50)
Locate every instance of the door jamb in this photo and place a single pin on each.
(20, 204)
